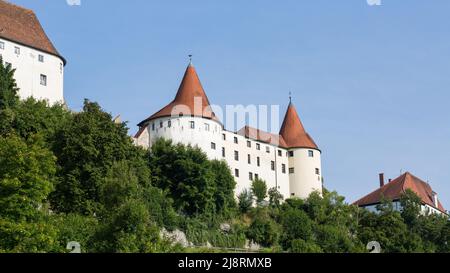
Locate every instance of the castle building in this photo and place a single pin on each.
(25, 46)
(394, 190)
(289, 161)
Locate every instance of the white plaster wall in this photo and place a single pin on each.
(304, 180)
(29, 69)
(181, 132)
(273, 178)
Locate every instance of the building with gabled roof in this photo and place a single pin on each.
(289, 161)
(394, 190)
(26, 47)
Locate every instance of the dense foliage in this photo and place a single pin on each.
(67, 176)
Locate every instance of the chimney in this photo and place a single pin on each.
(381, 180)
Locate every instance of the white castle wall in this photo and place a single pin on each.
(304, 180)
(300, 184)
(29, 70)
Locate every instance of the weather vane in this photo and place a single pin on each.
(190, 58)
(290, 97)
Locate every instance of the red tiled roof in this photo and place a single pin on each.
(190, 89)
(21, 25)
(397, 187)
(262, 136)
(293, 132)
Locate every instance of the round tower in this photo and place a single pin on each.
(188, 119)
(305, 165)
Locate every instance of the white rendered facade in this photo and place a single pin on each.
(38, 74)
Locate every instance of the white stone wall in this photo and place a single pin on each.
(29, 70)
(302, 183)
(303, 177)
(274, 178)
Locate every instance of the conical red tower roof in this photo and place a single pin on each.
(293, 132)
(189, 92)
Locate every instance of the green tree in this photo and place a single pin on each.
(197, 185)
(86, 148)
(225, 185)
(259, 190)
(245, 201)
(26, 175)
(411, 205)
(263, 230)
(8, 87)
(275, 197)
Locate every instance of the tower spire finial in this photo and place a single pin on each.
(290, 97)
(190, 59)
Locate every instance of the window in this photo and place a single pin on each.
(280, 153)
(283, 168)
(258, 161)
(169, 123)
(41, 58)
(291, 153)
(291, 170)
(43, 80)
(249, 159)
(8, 64)
(192, 124)
(317, 171)
(272, 165)
(161, 124)
(2, 45)
(61, 68)
(258, 146)
(268, 149)
(224, 137)
(256, 176)
(249, 144)
(236, 155)
(236, 140)
(17, 50)
(236, 172)
(311, 153)
(223, 152)
(250, 176)
(207, 127)
(292, 194)
(153, 127)
(213, 145)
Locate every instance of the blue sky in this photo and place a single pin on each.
(371, 83)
